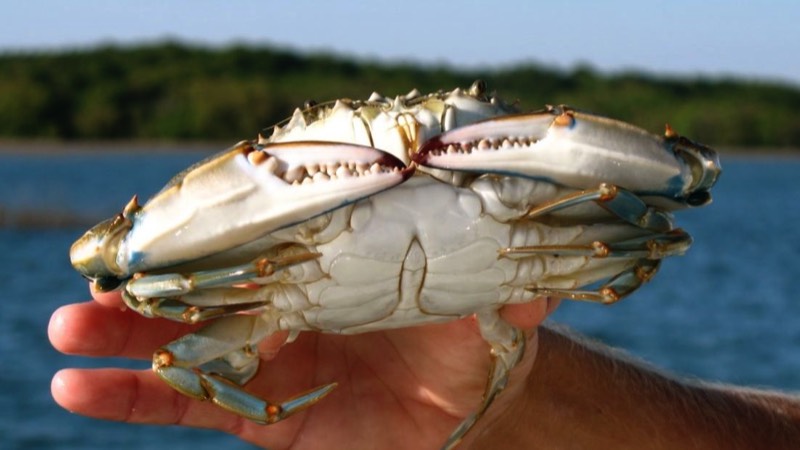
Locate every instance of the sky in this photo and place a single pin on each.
(749, 39)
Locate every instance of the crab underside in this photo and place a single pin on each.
(358, 216)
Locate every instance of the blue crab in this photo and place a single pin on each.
(356, 216)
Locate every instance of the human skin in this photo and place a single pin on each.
(409, 388)
(404, 388)
(584, 395)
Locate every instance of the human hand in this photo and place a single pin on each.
(404, 388)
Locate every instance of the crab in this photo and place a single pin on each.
(356, 216)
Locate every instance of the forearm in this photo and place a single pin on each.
(580, 395)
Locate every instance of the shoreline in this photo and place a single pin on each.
(46, 146)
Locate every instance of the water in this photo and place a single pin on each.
(727, 311)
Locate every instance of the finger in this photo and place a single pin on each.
(269, 347)
(135, 397)
(91, 329)
(526, 316)
(109, 299)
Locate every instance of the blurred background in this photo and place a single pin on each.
(101, 100)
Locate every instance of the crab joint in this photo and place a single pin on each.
(162, 358)
(607, 192)
(192, 314)
(601, 249)
(610, 295)
(266, 267)
(274, 413)
(644, 274)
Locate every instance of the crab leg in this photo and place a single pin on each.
(220, 345)
(612, 291)
(623, 203)
(179, 297)
(658, 246)
(212, 303)
(508, 345)
(174, 284)
(183, 309)
(661, 242)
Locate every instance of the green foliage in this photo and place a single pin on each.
(174, 91)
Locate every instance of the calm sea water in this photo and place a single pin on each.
(729, 310)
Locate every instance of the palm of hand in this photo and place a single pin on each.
(405, 388)
(397, 388)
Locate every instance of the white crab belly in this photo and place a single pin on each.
(419, 253)
(426, 252)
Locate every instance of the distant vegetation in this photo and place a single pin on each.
(173, 91)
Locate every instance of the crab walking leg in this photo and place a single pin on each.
(180, 364)
(508, 345)
(623, 203)
(238, 366)
(183, 309)
(213, 303)
(191, 298)
(656, 246)
(174, 284)
(612, 291)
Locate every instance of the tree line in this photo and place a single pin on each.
(174, 91)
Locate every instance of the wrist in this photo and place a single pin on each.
(580, 394)
(505, 422)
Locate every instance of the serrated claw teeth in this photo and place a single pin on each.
(304, 163)
(464, 148)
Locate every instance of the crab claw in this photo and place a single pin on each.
(704, 163)
(247, 192)
(579, 150)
